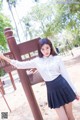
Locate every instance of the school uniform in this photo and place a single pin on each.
(60, 90)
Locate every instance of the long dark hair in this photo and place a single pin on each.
(43, 41)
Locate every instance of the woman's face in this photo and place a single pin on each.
(45, 50)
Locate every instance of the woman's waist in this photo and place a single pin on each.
(59, 79)
(51, 78)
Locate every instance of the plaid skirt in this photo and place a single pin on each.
(59, 92)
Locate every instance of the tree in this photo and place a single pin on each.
(71, 19)
(4, 22)
(10, 4)
(46, 18)
(49, 19)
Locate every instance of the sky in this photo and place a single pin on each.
(22, 7)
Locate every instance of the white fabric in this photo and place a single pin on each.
(49, 67)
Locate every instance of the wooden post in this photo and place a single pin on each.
(12, 80)
(6, 102)
(2, 87)
(2, 92)
(23, 76)
(8, 69)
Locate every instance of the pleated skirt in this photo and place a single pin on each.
(59, 92)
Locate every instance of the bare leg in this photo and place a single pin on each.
(61, 113)
(68, 110)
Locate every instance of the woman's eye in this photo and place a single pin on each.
(47, 48)
(42, 49)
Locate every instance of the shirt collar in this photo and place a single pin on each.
(50, 56)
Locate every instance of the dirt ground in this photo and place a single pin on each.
(18, 101)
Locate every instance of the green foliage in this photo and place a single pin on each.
(2, 72)
(48, 18)
(74, 8)
(71, 19)
(4, 22)
(76, 42)
(53, 19)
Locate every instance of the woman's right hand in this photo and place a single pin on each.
(1, 55)
(4, 58)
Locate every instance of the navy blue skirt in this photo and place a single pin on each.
(59, 92)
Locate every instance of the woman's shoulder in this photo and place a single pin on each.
(57, 57)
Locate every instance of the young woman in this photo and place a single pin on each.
(60, 90)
